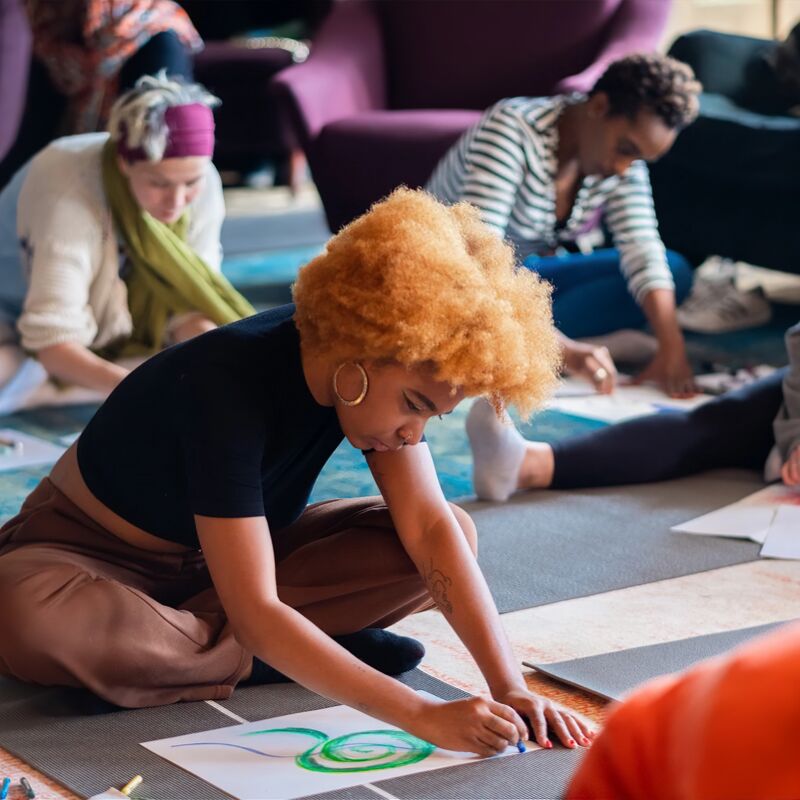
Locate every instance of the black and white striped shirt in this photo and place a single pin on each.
(506, 165)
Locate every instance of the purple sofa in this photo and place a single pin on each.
(15, 54)
(391, 84)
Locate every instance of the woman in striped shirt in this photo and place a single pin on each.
(544, 172)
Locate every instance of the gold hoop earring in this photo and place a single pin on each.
(364, 384)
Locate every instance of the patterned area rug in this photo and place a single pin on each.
(345, 475)
(266, 278)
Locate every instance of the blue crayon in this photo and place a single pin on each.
(4, 789)
(521, 746)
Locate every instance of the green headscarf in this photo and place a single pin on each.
(167, 277)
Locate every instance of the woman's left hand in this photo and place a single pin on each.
(790, 472)
(542, 713)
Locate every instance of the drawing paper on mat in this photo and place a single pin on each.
(749, 518)
(19, 450)
(577, 397)
(783, 537)
(303, 754)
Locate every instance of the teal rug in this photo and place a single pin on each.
(279, 268)
(345, 475)
(265, 278)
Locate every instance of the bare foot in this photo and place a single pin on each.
(537, 467)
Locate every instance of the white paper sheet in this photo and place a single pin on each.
(30, 452)
(736, 521)
(783, 537)
(749, 518)
(306, 753)
(579, 398)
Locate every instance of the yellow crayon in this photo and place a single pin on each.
(131, 785)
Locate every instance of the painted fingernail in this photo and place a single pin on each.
(572, 743)
(548, 744)
(584, 740)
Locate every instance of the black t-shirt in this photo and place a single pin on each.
(223, 425)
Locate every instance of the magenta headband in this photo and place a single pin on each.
(190, 132)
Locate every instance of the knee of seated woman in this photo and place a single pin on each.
(31, 622)
(48, 607)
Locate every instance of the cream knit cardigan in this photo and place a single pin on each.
(71, 255)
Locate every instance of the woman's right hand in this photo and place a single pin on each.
(592, 363)
(475, 725)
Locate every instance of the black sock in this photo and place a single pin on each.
(91, 705)
(384, 651)
(263, 673)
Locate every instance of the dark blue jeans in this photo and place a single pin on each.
(734, 430)
(162, 51)
(590, 295)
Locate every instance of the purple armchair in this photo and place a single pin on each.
(15, 54)
(391, 84)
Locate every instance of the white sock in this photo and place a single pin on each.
(498, 450)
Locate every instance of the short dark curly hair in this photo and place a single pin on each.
(651, 82)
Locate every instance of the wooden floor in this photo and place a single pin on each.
(734, 597)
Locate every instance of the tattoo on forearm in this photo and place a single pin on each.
(438, 584)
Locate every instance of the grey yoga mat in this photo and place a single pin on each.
(611, 675)
(542, 547)
(51, 730)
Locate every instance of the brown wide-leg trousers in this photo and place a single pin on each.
(81, 607)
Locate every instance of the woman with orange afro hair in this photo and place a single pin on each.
(170, 555)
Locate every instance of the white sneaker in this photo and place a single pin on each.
(717, 306)
(718, 269)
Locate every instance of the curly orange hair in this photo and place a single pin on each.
(419, 282)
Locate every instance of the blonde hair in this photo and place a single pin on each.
(138, 114)
(419, 282)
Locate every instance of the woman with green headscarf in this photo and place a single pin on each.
(111, 244)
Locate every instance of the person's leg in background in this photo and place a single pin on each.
(590, 295)
(734, 430)
(162, 51)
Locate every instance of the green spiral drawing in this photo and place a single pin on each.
(357, 752)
